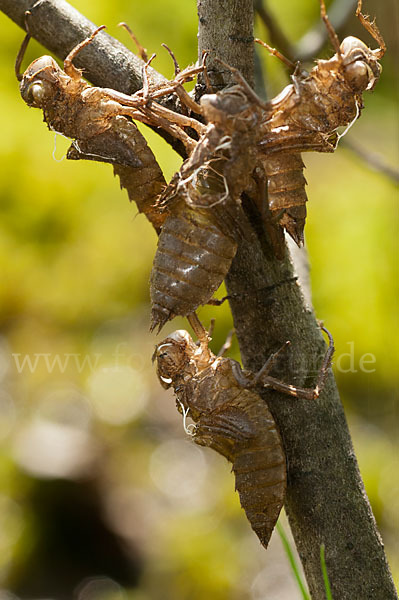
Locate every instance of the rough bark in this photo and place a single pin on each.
(326, 502)
(224, 33)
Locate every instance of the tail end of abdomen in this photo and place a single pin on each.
(261, 481)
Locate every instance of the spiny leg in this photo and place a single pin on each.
(160, 114)
(179, 90)
(24, 45)
(176, 86)
(264, 290)
(141, 50)
(208, 84)
(267, 381)
(150, 117)
(267, 367)
(325, 365)
(173, 57)
(211, 328)
(241, 378)
(305, 393)
(20, 56)
(146, 85)
(227, 345)
(276, 53)
(248, 90)
(217, 301)
(155, 116)
(373, 30)
(138, 101)
(198, 328)
(290, 390)
(330, 29)
(254, 380)
(187, 75)
(69, 68)
(177, 118)
(201, 334)
(186, 99)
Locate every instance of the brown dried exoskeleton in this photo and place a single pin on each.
(95, 118)
(199, 238)
(306, 114)
(232, 418)
(200, 206)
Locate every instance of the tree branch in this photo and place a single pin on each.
(373, 160)
(326, 501)
(226, 33)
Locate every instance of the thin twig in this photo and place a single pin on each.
(373, 160)
(141, 50)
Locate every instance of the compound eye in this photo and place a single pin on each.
(36, 94)
(360, 76)
(211, 106)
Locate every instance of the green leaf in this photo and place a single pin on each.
(293, 563)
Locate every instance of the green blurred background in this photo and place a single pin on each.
(101, 495)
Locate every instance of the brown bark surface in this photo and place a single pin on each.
(326, 502)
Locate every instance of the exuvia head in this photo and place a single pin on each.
(38, 81)
(225, 106)
(173, 355)
(361, 66)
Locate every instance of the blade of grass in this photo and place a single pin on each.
(325, 574)
(292, 561)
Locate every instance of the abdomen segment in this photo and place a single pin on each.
(192, 259)
(286, 192)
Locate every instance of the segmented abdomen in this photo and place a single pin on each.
(246, 434)
(260, 473)
(286, 192)
(192, 259)
(145, 182)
